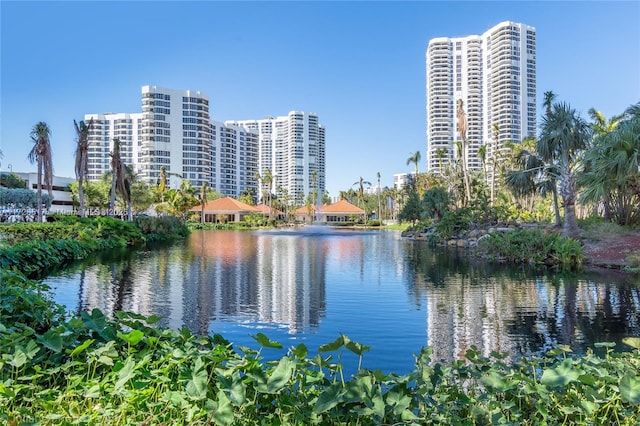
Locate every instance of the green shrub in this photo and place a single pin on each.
(161, 228)
(531, 246)
(373, 222)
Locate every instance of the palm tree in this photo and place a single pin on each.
(414, 157)
(494, 162)
(549, 97)
(41, 153)
(203, 200)
(462, 128)
(267, 178)
(379, 203)
(440, 153)
(361, 183)
(482, 155)
(611, 172)
(120, 179)
(563, 137)
(82, 157)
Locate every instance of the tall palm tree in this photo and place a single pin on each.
(82, 157)
(267, 178)
(440, 153)
(547, 102)
(361, 183)
(462, 128)
(120, 179)
(203, 200)
(41, 153)
(414, 157)
(379, 203)
(494, 162)
(563, 137)
(601, 127)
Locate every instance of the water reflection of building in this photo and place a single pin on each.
(259, 278)
(518, 313)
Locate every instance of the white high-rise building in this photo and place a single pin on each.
(495, 76)
(175, 131)
(292, 147)
(105, 128)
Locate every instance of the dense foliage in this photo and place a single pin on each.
(531, 246)
(93, 370)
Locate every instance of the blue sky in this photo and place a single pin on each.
(359, 65)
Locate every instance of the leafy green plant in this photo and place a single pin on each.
(531, 246)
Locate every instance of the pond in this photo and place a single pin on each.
(391, 294)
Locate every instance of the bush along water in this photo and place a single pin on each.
(95, 370)
(531, 246)
(36, 247)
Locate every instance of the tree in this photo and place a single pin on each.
(441, 153)
(82, 157)
(494, 162)
(611, 173)
(120, 179)
(379, 203)
(414, 157)
(563, 137)
(41, 153)
(203, 200)
(267, 178)
(462, 128)
(12, 180)
(436, 202)
(361, 183)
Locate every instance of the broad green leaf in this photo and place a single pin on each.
(224, 413)
(281, 375)
(234, 388)
(197, 385)
(561, 375)
(604, 345)
(92, 392)
(335, 345)
(634, 342)
(264, 341)
(18, 359)
(630, 389)
(132, 338)
(79, 349)
(300, 351)
(125, 373)
(329, 398)
(496, 381)
(356, 347)
(52, 340)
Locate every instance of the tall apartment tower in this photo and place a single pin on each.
(292, 147)
(494, 75)
(176, 135)
(105, 128)
(175, 131)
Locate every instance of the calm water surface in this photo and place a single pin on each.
(393, 295)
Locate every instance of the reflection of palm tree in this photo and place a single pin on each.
(41, 153)
(82, 158)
